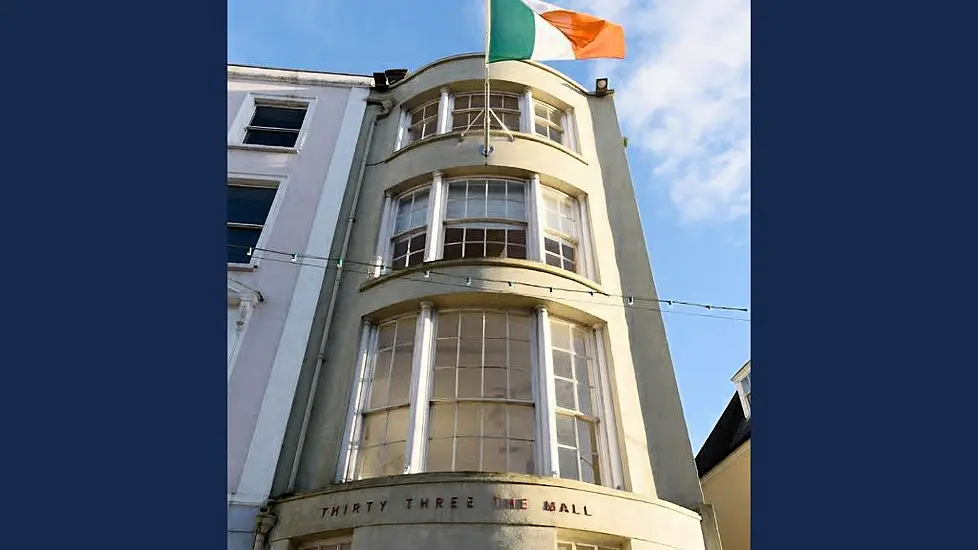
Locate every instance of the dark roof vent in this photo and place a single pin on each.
(395, 75)
(380, 82)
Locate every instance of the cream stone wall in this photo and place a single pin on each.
(652, 507)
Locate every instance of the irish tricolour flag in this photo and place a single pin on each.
(531, 29)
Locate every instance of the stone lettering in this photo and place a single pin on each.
(344, 508)
(585, 511)
(574, 509)
(522, 504)
(409, 501)
(468, 502)
(549, 506)
(325, 509)
(356, 507)
(424, 503)
(383, 504)
(454, 502)
(438, 502)
(335, 510)
(369, 504)
(563, 507)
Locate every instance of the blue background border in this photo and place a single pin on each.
(862, 273)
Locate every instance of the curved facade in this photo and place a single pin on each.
(494, 373)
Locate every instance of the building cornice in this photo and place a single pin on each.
(574, 84)
(293, 76)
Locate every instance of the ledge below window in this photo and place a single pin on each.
(263, 148)
(477, 134)
(243, 267)
(483, 262)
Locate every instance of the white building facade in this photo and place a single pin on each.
(291, 141)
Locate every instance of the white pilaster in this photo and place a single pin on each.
(402, 129)
(351, 434)
(546, 400)
(436, 215)
(445, 111)
(526, 113)
(587, 259)
(611, 457)
(537, 220)
(383, 236)
(420, 377)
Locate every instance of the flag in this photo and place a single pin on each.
(536, 30)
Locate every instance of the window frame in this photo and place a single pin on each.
(542, 391)
(534, 223)
(279, 183)
(526, 109)
(340, 543)
(239, 127)
(451, 223)
(411, 232)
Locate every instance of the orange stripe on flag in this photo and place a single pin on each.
(590, 37)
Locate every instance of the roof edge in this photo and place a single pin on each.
(442, 60)
(298, 76)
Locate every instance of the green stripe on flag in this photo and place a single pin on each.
(512, 30)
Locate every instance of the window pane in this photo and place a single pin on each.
(442, 421)
(452, 252)
(278, 117)
(562, 364)
(405, 330)
(446, 350)
(374, 429)
(275, 138)
(495, 327)
(444, 383)
(568, 463)
(397, 424)
(440, 455)
(520, 386)
(472, 325)
(469, 382)
(495, 452)
(369, 458)
(494, 420)
(565, 431)
(248, 204)
(400, 387)
(521, 457)
(386, 338)
(560, 335)
(378, 393)
(519, 354)
(447, 324)
(565, 394)
(394, 459)
(467, 451)
(494, 382)
(519, 329)
(521, 422)
(239, 240)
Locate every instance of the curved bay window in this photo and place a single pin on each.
(461, 111)
(468, 390)
(410, 229)
(485, 217)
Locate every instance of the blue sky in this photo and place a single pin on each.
(683, 98)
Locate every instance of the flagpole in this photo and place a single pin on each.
(485, 121)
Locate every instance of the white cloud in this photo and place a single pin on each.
(683, 96)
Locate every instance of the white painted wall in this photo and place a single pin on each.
(265, 355)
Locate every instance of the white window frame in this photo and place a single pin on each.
(519, 107)
(280, 184)
(739, 379)
(535, 223)
(340, 543)
(241, 304)
(239, 127)
(526, 103)
(541, 363)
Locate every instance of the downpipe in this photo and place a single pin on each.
(385, 109)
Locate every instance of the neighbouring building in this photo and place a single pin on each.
(488, 367)
(724, 467)
(291, 140)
